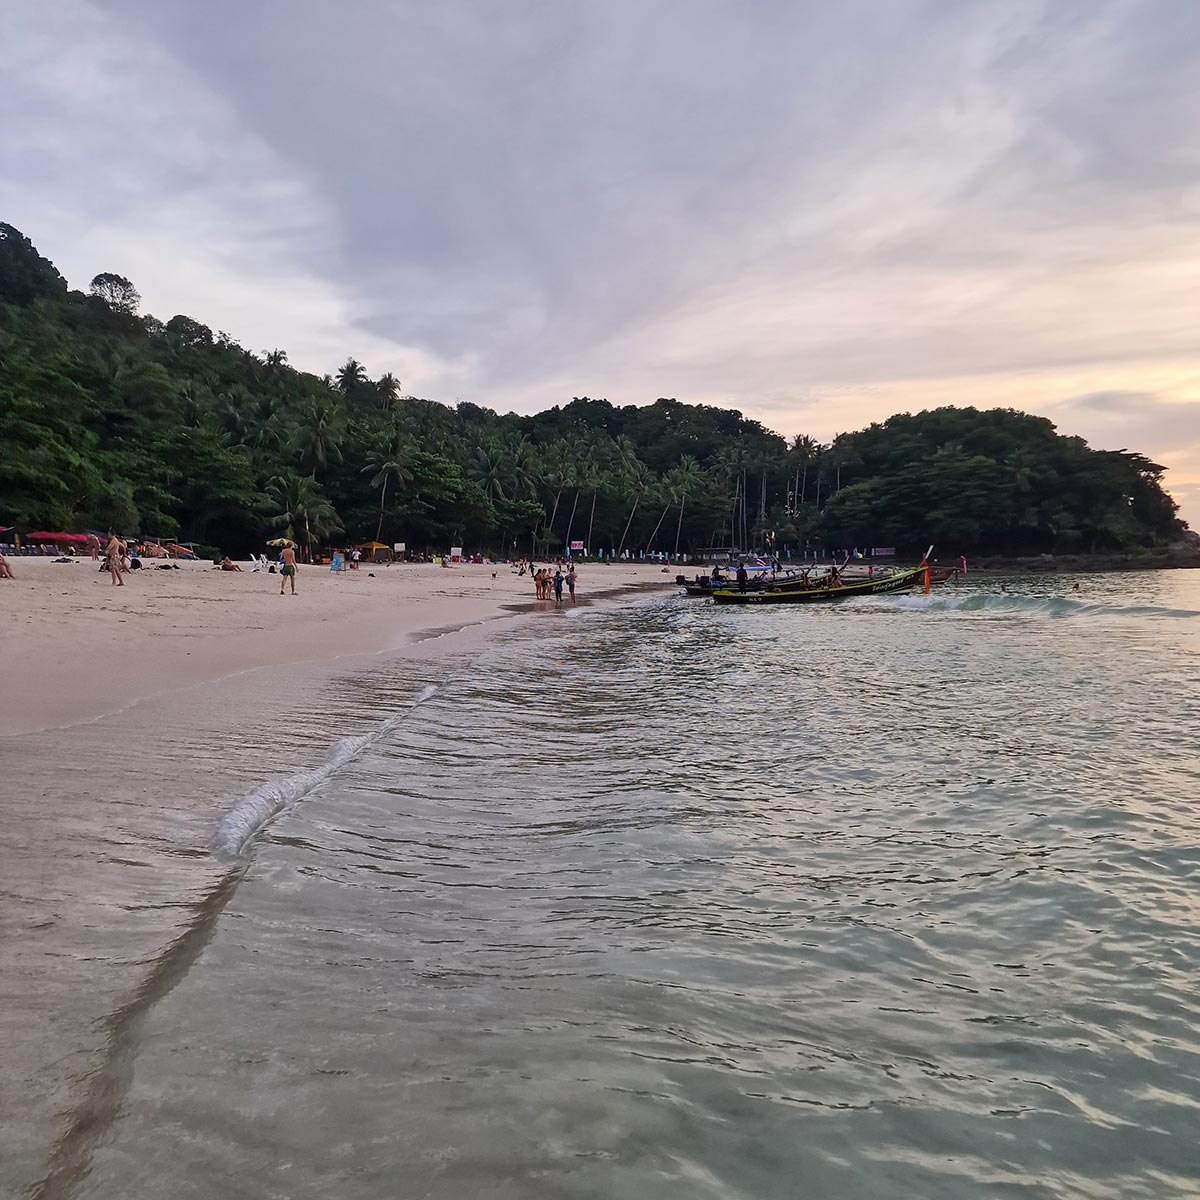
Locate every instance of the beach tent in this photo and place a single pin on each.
(376, 551)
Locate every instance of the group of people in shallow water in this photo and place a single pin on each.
(548, 584)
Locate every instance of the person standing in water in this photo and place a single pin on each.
(571, 582)
(288, 569)
(558, 584)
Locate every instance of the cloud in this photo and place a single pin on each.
(812, 212)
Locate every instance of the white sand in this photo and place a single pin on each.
(74, 647)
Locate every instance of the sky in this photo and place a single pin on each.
(820, 214)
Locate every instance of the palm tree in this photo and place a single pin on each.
(804, 451)
(267, 429)
(683, 481)
(488, 469)
(842, 453)
(821, 460)
(638, 480)
(351, 377)
(598, 475)
(663, 493)
(319, 436)
(556, 473)
(388, 389)
(299, 504)
(389, 464)
(524, 467)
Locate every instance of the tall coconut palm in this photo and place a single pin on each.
(300, 507)
(683, 482)
(803, 453)
(318, 436)
(598, 481)
(525, 467)
(588, 476)
(275, 362)
(391, 463)
(842, 452)
(267, 429)
(637, 480)
(351, 377)
(387, 388)
(661, 492)
(490, 470)
(556, 473)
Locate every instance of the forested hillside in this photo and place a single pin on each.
(112, 419)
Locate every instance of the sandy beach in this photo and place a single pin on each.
(132, 722)
(77, 648)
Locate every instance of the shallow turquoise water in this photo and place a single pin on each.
(894, 899)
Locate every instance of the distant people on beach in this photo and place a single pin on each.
(93, 545)
(558, 585)
(5, 569)
(287, 569)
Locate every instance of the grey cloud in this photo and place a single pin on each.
(1156, 425)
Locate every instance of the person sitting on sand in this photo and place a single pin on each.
(227, 564)
(288, 569)
(112, 559)
(5, 569)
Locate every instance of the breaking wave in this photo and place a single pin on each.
(1030, 606)
(255, 810)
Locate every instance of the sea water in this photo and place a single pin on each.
(898, 898)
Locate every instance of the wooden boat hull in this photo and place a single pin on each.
(904, 581)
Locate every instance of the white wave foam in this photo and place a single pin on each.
(1008, 604)
(254, 811)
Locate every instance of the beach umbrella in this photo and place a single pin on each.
(280, 542)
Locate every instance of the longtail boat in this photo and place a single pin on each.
(790, 593)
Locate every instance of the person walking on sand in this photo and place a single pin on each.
(112, 559)
(288, 569)
(571, 582)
